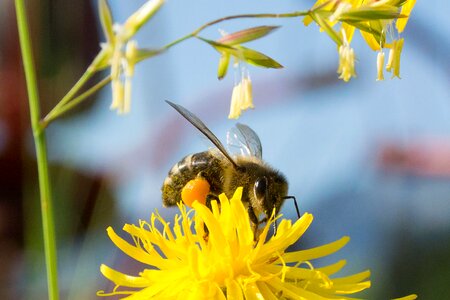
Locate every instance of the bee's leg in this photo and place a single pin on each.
(210, 198)
(251, 214)
(254, 220)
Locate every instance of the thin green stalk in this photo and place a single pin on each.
(188, 36)
(83, 79)
(54, 114)
(244, 16)
(41, 153)
(80, 83)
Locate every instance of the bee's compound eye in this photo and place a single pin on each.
(195, 189)
(260, 187)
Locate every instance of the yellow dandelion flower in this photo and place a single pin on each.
(227, 263)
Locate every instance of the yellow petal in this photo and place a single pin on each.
(265, 291)
(333, 268)
(279, 243)
(409, 297)
(317, 252)
(136, 253)
(234, 291)
(291, 291)
(370, 40)
(358, 277)
(123, 279)
(252, 292)
(216, 238)
(351, 288)
(406, 10)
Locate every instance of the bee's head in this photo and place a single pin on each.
(265, 188)
(269, 191)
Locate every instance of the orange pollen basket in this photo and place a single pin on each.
(195, 189)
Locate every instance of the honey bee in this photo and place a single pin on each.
(210, 173)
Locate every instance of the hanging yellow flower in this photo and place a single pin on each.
(242, 95)
(122, 53)
(227, 263)
(375, 19)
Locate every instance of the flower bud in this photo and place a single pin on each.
(140, 17)
(223, 65)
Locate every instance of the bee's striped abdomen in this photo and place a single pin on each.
(187, 169)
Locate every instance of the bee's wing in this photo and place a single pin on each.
(194, 120)
(242, 140)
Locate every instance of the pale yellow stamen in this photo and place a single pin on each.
(118, 95)
(346, 62)
(241, 97)
(380, 65)
(393, 63)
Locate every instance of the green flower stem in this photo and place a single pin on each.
(243, 16)
(93, 67)
(170, 45)
(57, 113)
(41, 153)
(79, 84)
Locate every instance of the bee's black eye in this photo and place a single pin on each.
(260, 187)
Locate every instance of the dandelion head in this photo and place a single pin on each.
(213, 254)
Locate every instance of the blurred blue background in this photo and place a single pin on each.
(369, 159)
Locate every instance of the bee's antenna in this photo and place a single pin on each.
(295, 203)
